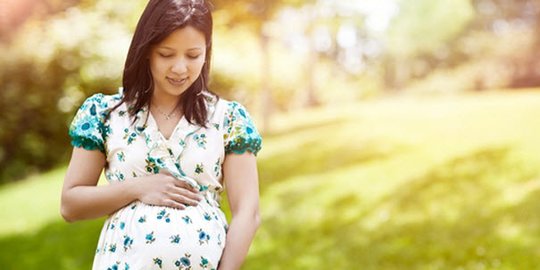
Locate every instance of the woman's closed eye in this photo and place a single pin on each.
(166, 55)
(191, 56)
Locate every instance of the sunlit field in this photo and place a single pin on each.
(400, 183)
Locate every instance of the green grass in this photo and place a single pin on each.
(28, 205)
(401, 183)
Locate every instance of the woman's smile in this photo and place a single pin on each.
(177, 82)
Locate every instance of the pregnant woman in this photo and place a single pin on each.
(169, 147)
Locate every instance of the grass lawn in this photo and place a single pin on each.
(397, 183)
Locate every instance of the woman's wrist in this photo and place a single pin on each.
(132, 189)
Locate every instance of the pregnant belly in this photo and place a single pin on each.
(142, 236)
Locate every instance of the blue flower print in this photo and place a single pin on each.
(242, 112)
(89, 124)
(204, 262)
(129, 136)
(121, 156)
(201, 140)
(184, 262)
(93, 108)
(158, 262)
(151, 166)
(187, 219)
(128, 241)
(112, 248)
(217, 167)
(164, 215)
(150, 238)
(89, 129)
(203, 237)
(126, 266)
(199, 168)
(207, 216)
(175, 239)
(114, 266)
(241, 134)
(142, 219)
(203, 188)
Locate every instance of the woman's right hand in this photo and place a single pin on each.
(165, 190)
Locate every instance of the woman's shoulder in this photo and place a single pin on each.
(229, 106)
(240, 132)
(99, 104)
(102, 101)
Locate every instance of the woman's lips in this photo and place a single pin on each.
(177, 82)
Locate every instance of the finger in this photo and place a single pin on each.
(174, 204)
(189, 194)
(186, 186)
(183, 184)
(184, 200)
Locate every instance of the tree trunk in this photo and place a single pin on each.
(311, 88)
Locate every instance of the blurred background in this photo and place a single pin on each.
(398, 134)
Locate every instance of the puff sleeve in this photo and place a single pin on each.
(88, 130)
(241, 135)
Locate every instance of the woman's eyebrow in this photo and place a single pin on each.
(166, 47)
(173, 49)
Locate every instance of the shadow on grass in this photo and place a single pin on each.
(321, 155)
(450, 218)
(310, 125)
(59, 245)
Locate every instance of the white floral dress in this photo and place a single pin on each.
(141, 236)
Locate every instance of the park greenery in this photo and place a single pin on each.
(433, 183)
(398, 134)
(274, 56)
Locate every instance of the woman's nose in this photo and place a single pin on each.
(179, 66)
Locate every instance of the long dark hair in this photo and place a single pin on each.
(159, 19)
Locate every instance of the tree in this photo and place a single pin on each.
(422, 27)
(255, 14)
(47, 68)
(512, 20)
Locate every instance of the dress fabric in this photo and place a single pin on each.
(142, 236)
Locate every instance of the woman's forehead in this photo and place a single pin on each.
(185, 38)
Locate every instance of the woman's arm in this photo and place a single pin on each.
(242, 183)
(83, 199)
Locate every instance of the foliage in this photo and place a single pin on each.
(49, 67)
(432, 183)
(426, 26)
(432, 38)
(270, 55)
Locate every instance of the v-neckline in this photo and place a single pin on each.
(176, 127)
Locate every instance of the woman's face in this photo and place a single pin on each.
(177, 61)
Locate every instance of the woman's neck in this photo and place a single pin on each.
(166, 103)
